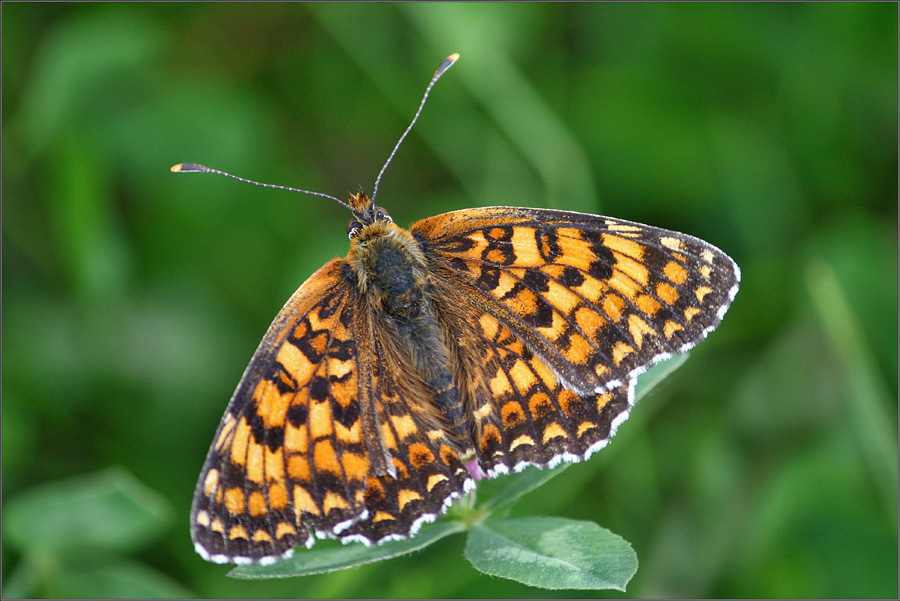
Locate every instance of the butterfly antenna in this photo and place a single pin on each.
(445, 64)
(195, 168)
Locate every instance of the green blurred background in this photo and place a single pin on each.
(133, 298)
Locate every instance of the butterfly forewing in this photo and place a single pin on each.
(289, 457)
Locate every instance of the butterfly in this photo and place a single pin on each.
(476, 342)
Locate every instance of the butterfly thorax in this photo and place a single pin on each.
(393, 284)
(390, 269)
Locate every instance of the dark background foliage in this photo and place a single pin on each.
(133, 298)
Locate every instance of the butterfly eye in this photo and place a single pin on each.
(353, 226)
(382, 215)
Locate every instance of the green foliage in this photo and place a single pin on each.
(72, 532)
(132, 299)
(552, 553)
(109, 510)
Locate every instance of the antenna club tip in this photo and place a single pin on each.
(190, 168)
(453, 57)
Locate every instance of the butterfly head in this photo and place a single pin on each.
(364, 213)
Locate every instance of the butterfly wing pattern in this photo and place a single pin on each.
(573, 307)
(544, 320)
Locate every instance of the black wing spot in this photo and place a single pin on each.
(346, 416)
(499, 241)
(297, 415)
(342, 350)
(456, 245)
(541, 317)
(571, 278)
(283, 380)
(601, 267)
(271, 437)
(311, 344)
(548, 244)
(536, 280)
(318, 389)
(330, 305)
(489, 278)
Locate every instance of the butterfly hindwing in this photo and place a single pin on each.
(529, 418)
(426, 471)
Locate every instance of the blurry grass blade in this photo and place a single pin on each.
(22, 582)
(521, 112)
(552, 553)
(656, 374)
(867, 395)
(71, 64)
(534, 136)
(330, 558)
(109, 510)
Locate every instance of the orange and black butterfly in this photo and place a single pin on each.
(476, 342)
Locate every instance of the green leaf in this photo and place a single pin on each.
(108, 510)
(552, 553)
(330, 557)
